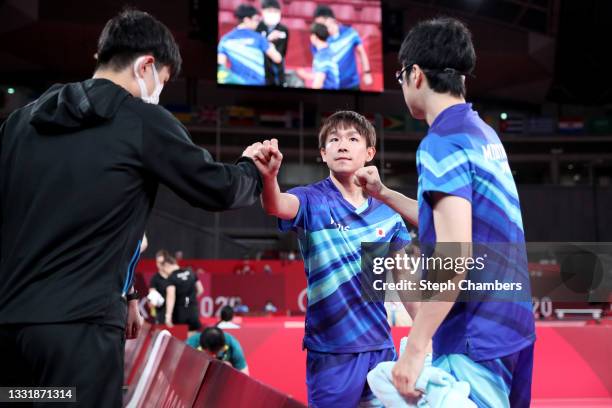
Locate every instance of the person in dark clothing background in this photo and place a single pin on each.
(157, 287)
(277, 34)
(182, 290)
(79, 172)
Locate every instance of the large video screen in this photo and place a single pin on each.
(331, 45)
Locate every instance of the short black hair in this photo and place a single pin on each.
(443, 49)
(320, 31)
(212, 339)
(270, 4)
(346, 120)
(245, 10)
(133, 33)
(323, 10)
(227, 313)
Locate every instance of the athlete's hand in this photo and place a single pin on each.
(406, 372)
(369, 180)
(367, 79)
(169, 321)
(268, 159)
(252, 150)
(276, 35)
(134, 320)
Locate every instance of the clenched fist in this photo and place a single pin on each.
(268, 159)
(369, 179)
(252, 150)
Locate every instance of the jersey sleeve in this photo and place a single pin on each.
(264, 44)
(401, 238)
(322, 65)
(444, 167)
(300, 218)
(173, 280)
(221, 47)
(356, 38)
(317, 65)
(171, 157)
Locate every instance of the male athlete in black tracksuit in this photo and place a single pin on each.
(79, 172)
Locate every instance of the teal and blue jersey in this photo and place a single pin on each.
(232, 352)
(245, 50)
(330, 232)
(462, 156)
(323, 61)
(343, 46)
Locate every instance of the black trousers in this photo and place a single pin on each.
(187, 315)
(87, 356)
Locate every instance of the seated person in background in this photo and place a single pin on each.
(220, 345)
(269, 307)
(227, 315)
(240, 308)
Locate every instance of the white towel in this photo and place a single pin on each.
(440, 389)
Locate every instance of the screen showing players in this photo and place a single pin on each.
(330, 45)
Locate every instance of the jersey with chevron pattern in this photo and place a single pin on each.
(463, 156)
(245, 50)
(330, 232)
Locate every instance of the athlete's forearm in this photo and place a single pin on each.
(276, 203)
(170, 300)
(271, 196)
(404, 206)
(431, 313)
(365, 61)
(429, 317)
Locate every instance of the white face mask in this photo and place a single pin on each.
(144, 94)
(271, 18)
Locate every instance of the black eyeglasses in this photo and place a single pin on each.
(399, 75)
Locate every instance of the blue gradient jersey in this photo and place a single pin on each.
(330, 232)
(463, 156)
(343, 46)
(245, 50)
(323, 61)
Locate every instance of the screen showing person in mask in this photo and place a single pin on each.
(328, 44)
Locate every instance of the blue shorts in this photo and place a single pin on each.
(501, 382)
(340, 380)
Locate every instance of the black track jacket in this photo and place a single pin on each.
(79, 172)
